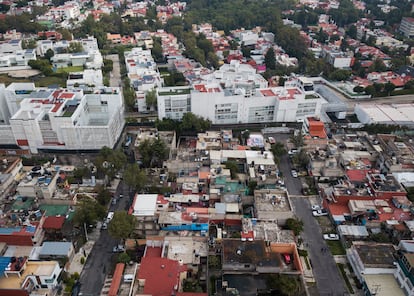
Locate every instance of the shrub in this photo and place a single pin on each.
(82, 260)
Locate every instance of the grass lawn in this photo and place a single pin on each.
(70, 69)
(46, 81)
(39, 81)
(336, 247)
(8, 80)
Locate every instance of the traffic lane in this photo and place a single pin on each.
(327, 276)
(293, 185)
(97, 265)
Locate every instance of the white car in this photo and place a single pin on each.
(320, 213)
(331, 236)
(316, 208)
(118, 249)
(294, 174)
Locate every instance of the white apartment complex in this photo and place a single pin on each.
(59, 119)
(244, 104)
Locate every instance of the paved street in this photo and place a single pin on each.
(327, 276)
(99, 261)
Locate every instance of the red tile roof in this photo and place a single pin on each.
(54, 222)
(116, 279)
(154, 252)
(357, 175)
(161, 275)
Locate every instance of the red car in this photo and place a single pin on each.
(287, 258)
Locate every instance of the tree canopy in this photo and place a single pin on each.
(122, 225)
(88, 212)
(135, 177)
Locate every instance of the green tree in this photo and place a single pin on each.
(295, 225)
(270, 59)
(287, 285)
(88, 212)
(29, 44)
(358, 89)
(388, 88)
(153, 152)
(75, 47)
(278, 150)
(108, 66)
(135, 177)
(129, 97)
(103, 195)
(370, 90)
(151, 99)
(233, 167)
(110, 161)
(49, 54)
(340, 75)
(42, 65)
(192, 122)
(124, 258)
(122, 225)
(297, 139)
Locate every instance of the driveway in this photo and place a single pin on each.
(328, 279)
(115, 75)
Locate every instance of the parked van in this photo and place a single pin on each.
(109, 217)
(128, 278)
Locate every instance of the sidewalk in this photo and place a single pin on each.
(84, 251)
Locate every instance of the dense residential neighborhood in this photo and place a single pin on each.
(196, 148)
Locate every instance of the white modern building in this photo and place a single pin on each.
(88, 77)
(395, 114)
(242, 104)
(59, 119)
(19, 58)
(142, 70)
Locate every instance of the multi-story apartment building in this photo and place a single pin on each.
(407, 27)
(61, 119)
(242, 104)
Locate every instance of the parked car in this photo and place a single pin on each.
(287, 258)
(316, 207)
(271, 140)
(331, 236)
(320, 213)
(294, 174)
(118, 249)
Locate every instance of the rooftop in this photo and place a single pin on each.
(32, 267)
(236, 251)
(375, 255)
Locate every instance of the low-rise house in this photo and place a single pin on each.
(272, 205)
(26, 277)
(57, 251)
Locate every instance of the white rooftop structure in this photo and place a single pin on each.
(396, 114)
(144, 205)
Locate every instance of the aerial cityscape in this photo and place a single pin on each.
(207, 147)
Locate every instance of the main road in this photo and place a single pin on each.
(328, 279)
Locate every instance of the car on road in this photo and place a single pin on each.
(294, 173)
(287, 258)
(319, 213)
(118, 249)
(331, 236)
(271, 140)
(316, 207)
(293, 152)
(104, 226)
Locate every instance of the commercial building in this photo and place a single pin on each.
(58, 119)
(396, 114)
